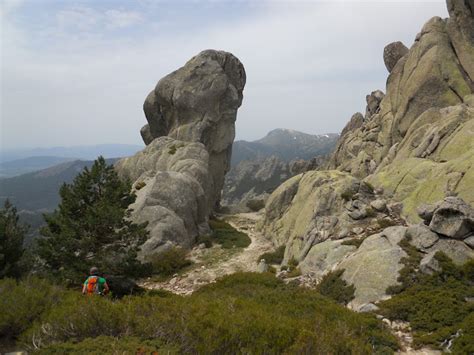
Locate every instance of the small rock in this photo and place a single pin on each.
(421, 237)
(379, 205)
(358, 214)
(262, 266)
(358, 230)
(369, 307)
(387, 321)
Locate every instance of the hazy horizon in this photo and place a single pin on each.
(77, 72)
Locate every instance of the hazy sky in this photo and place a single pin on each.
(77, 72)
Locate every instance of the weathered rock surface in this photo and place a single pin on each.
(198, 103)
(373, 103)
(374, 266)
(171, 181)
(415, 146)
(456, 250)
(453, 218)
(392, 53)
(324, 257)
(418, 144)
(421, 237)
(179, 176)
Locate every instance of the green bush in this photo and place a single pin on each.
(227, 236)
(464, 344)
(240, 313)
(169, 262)
(293, 272)
(172, 150)
(22, 302)
(110, 345)
(370, 212)
(347, 195)
(435, 305)
(275, 257)
(333, 286)
(206, 240)
(409, 274)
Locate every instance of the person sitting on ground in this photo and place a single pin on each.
(95, 284)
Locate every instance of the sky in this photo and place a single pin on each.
(76, 72)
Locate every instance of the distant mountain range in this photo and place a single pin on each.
(38, 192)
(84, 152)
(258, 167)
(285, 144)
(30, 164)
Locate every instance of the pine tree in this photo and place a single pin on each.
(12, 234)
(92, 227)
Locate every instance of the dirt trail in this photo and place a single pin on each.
(210, 264)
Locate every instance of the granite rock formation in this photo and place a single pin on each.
(179, 176)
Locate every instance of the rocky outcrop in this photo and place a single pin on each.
(179, 176)
(417, 141)
(198, 103)
(374, 266)
(414, 146)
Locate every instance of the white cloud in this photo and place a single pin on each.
(309, 66)
(121, 18)
(78, 18)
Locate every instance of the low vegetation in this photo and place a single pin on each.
(347, 195)
(227, 236)
(241, 313)
(385, 223)
(333, 286)
(437, 306)
(169, 262)
(275, 257)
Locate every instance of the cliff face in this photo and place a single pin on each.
(179, 176)
(414, 146)
(425, 119)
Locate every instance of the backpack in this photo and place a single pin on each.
(93, 285)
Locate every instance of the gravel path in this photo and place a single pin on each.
(215, 262)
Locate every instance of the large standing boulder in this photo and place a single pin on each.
(179, 176)
(198, 103)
